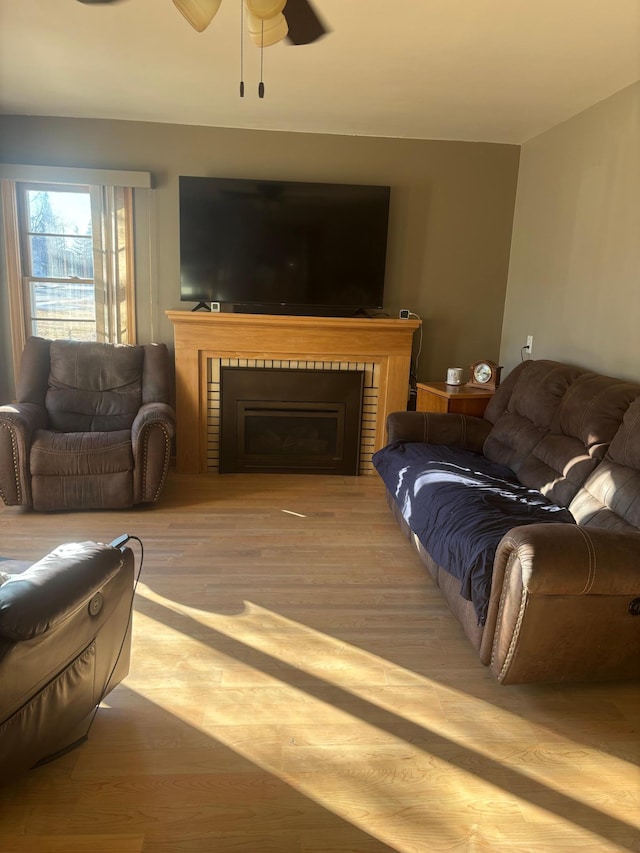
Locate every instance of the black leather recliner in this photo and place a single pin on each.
(65, 641)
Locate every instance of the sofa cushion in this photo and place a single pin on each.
(610, 497)
(460, 505)
(74, 454)
(592, 410)
(586, 420)
(94, 386)
(625, 447)
(98, 491)
(529, 411)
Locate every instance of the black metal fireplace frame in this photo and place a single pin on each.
(247, 392)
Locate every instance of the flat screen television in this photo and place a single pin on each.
(280, 246)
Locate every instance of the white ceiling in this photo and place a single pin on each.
(489, 70)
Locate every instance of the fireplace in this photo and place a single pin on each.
(207, 342)
(287, 420)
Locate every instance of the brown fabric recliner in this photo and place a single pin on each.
(65, 640)
(91, 429)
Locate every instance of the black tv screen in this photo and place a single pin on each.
(276, 243)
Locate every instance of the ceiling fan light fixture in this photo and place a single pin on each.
(265, 9)
(199, 13)
(264, 33)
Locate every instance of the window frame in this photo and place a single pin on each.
(140, 237)
(26, 255)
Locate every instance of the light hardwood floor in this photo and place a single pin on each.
(298, 685)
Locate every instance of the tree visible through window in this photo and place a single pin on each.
(67, 254)
(58, 263)
(74, 261)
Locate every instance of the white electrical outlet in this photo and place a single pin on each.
(530, 345)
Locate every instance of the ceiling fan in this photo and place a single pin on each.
(266, 22)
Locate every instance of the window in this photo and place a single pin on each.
(75, 271)
(69, 252)
(57, 258)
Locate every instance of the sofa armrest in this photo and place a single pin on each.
(52, 590)
(65, 639)
(152, 434)
(18, 423)
(450, 429)
(564, 604)
(149, 415)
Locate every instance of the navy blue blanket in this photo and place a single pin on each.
(460, 505)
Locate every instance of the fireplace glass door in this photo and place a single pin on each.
(280, 420)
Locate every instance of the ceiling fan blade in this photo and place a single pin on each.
(264, 33)
(199, 13)
(265, 9)
(305, 26)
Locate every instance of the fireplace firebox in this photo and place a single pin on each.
(287, 420)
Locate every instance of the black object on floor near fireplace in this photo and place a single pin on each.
(287, 420)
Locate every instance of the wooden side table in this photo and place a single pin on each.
(440, 397)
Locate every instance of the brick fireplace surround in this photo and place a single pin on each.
(205, 341)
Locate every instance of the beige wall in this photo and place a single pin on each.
(574, 272)
(450, 222)
(574, 275)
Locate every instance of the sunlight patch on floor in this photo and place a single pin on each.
(291, 512)
(341, 688)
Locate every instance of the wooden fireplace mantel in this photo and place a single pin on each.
(199, 336)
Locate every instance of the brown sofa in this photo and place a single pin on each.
(65, 639)
(563, 590)
(91, 429)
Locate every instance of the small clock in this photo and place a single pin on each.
(485, 374)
